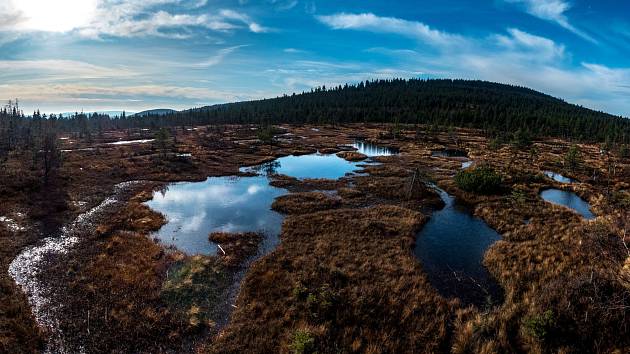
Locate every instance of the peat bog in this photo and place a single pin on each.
(325, 239)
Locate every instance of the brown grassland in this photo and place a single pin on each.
(344, 277)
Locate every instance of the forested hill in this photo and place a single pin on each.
(493, 107)
(460, 103)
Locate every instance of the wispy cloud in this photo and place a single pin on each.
(535, 47)
(62, 69)
(390, 25)
(93, 96)
(554, 11)
(283, 5)
(294, 51)
(217, 58)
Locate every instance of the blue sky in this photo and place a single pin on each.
(69, 55)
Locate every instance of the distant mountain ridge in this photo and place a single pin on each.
(109, 113)
(156, 112)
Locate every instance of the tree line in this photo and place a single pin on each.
(495, 108)
(34, 138)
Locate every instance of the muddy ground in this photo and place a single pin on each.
(344, 278)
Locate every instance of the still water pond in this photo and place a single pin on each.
(558, 177)
(569, 200)
(237, 204)
(307, 166)
(451, 247)
(372, 150)
(227, 204)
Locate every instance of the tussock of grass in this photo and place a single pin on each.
(352, 156)
(304, 203)
(237, 246)
(134, 216)
(308, 184)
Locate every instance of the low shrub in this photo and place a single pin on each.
(541, 326)
(482, 180)
(303, 342)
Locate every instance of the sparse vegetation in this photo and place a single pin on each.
(541, 326)
(573, 158)
(266, 134)
(303, 342)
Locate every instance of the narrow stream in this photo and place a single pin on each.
(451, 247)
(26, 268)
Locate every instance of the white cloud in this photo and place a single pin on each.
(294, 51)
(128, 18)
(283, 5)
(218, 58)
(553, 11)
(390, 25)
(535, 47)
(161, 24)
(245, 19)
(53, 97)
(28, 69)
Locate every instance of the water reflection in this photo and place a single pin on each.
(307, 166)
(236, 204)
(371, 150)
(451, 247)
(229, 204)
(558, 177)
(568, 199)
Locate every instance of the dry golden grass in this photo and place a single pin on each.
(352, 156)
(342, 280)
(348, 276)
(304, 203)
(237, 246)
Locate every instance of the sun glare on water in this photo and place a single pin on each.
(54, 15)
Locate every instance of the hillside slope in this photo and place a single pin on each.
(462, 103)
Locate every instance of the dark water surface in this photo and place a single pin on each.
(451, 247)
(449, 153)
(569, 200)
